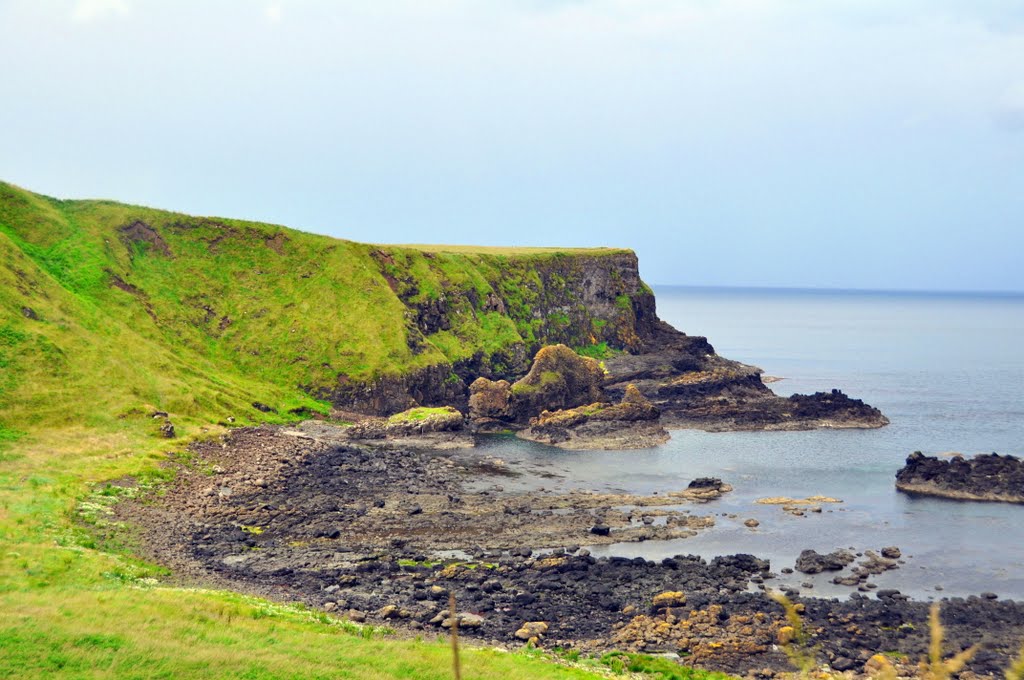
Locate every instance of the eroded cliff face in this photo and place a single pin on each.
(489, 314)
(589, 301)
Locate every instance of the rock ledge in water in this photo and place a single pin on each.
(987, 477)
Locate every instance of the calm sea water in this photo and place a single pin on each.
(948, 370)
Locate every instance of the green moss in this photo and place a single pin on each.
(421, 413)
(600, 350)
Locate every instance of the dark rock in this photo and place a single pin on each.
(705, 483)
(988, 477)
(812, 562)
(633, 423)
(600, 530)
(29, 313)
(842, 663)
(259, 406)
(167, 430)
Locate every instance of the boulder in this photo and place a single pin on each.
(490, 399)
(813, 562)
(669, 598)
(409, 423)
(558, 379)
(532, 630)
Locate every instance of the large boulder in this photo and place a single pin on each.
(559, 379)
(813, 562)
(415, 421)
(490, 399)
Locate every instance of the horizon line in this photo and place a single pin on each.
(857, 291)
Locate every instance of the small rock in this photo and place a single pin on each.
(600, 530)
(532, 629)
(752, 523)
(669, 598)
(356, 615)
(842, 663)
(390, 611)
(891, 552)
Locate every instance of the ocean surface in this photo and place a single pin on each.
(948, 371)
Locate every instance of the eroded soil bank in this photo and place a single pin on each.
(385, 536)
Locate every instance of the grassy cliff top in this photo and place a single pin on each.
(509, 251)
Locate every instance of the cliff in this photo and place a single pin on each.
(112, 313)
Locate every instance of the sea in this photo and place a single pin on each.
(946, 368)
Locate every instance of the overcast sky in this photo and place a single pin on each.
(838, 143)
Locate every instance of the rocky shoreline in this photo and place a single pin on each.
(386, 534)
(576, 402)
(986, 477)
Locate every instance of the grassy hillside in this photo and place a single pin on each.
(110, 313)
(133, 310)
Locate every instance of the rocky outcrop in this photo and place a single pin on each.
(988, 477)
(813, 562)
(442, 427)
(633, 423)
(694, 387)
(558, 379)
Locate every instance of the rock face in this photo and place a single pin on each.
(633, 423)
(558, 379)
(575, 298)
(988, 477)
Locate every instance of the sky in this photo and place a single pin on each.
(873, 144)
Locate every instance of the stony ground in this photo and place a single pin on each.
(389, 535)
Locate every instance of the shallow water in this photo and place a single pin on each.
(946, 369)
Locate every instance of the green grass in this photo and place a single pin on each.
(421, 413)
(97, 334)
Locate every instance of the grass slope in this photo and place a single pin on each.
(97, 331)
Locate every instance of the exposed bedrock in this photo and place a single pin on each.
(987, 477)
(633, 423)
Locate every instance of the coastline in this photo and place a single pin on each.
(373, 535)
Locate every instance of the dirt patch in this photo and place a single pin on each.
(138, 232)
